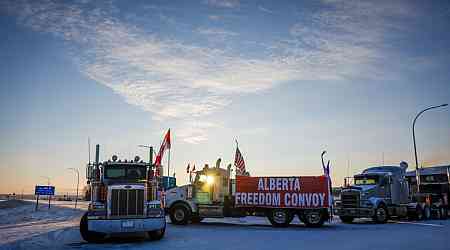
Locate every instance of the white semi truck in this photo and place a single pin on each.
(214, 194)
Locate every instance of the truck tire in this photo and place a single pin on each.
(314, 218)
(444, 213)
(89, 236)
(381, 214)
(439, 213)
(346, 219)
(157, 234)
(279, 217)
(419, 213)
(180, 214)
(427, 212)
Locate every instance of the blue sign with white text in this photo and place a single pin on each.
(44, 190)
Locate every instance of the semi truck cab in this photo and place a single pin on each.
(125, 197)
(379, 193)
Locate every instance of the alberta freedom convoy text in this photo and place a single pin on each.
(280, 192)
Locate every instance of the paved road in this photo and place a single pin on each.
(248, 233)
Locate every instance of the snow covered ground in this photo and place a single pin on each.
(23, 228)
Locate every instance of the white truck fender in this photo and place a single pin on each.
(179, 194)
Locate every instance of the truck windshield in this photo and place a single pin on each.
(125, 172)
(366, 181)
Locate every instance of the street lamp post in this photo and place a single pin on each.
(78, 183)
(414, 141)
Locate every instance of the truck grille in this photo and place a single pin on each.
(127, 202)
(350, 199)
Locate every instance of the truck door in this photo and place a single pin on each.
(384, 188)
(395, 190)
(404, 192)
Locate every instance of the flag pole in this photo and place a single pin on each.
(168, 164)
(235, 167)
(89, 149)
(168, 159)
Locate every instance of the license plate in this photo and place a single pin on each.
(127, 224)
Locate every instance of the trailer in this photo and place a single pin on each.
(435, 184)
(214, 194)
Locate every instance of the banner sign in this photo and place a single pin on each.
(44, 190)
(286, 192)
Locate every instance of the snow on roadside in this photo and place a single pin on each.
(24, 228)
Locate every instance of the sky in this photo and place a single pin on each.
(287, 79)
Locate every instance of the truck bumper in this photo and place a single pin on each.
(126, 225)
(355, 212)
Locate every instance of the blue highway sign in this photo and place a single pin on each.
(44, 190)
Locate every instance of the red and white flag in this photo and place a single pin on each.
(188, 167)
(165, 145)
(239, 162)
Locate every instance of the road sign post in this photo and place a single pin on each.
(37, 202)
(44, 190)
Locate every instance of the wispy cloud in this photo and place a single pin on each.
(195, 132)
(215, 31)
(223, 3)
(179, 80)
(261, 8)
(348, 36)
(215, 17)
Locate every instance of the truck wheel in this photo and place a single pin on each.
(179, 214)
(346, 219)
(438, 214)
(157, 234)
(381, 214)
(444, 212)
(419, 213)
(89, 236)
(314, 218)
(426, 213)
(279, 217)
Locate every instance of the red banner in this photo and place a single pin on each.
(287, 192)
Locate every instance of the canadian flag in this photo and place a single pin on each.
(165, 145)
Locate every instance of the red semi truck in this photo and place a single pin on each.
(213, 194)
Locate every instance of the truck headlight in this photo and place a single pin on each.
(155, 212)
(210, 180)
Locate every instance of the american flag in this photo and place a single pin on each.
(239, 162)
